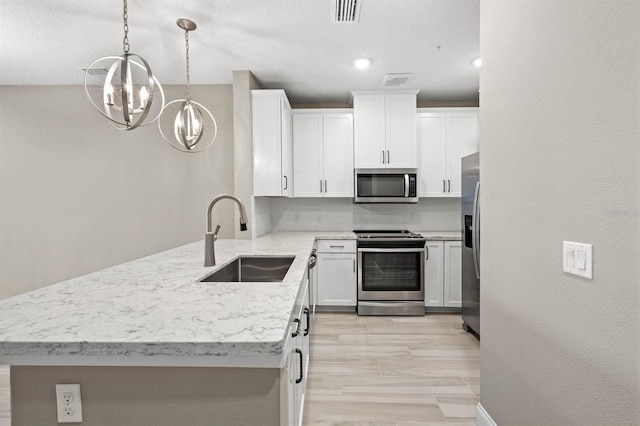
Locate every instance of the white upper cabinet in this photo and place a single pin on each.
(272, 144)
(322, 154)
(444, 137)
(385, 129)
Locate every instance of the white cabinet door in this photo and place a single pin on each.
(444, 138)
(267, 140)
(291, 367)
(462, 140)
(453, 274)
(443, 274)
(307, 155)
(338, 155)
(434, 274)
(369, 131)
(400, 131)
(385, 129)
(337, 279)
(287, 151)
(272, 158)
(323, 154)
(431, 134)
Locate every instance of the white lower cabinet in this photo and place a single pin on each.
(337, 272)
(443, 274)
(294, 373)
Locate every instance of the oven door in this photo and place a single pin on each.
(391, 273)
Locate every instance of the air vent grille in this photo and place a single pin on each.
(396, 80)
(346, 10)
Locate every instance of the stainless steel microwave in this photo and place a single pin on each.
(386, 186)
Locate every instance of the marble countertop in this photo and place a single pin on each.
(154, 307)
(153, 310)
(441, 235)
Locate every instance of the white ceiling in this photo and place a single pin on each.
(289, 44)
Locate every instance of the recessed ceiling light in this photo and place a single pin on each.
(477, 61)
(362, 63)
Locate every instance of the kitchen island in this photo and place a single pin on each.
(150, 344)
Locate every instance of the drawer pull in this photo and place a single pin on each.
(295, 334)
(299, 379)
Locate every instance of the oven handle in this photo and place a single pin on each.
(391, 250)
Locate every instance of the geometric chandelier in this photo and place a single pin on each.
(126, 96)
(185, 124)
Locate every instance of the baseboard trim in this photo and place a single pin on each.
(482, 417)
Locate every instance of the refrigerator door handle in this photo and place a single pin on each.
(475, 234)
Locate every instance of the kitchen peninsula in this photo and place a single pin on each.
(132, 334)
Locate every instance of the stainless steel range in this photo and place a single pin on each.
(390, 273)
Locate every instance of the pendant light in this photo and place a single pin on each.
(185, 124)
(127, 94)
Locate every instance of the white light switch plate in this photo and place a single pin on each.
(577, 259)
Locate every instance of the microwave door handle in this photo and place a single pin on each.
(406, 185)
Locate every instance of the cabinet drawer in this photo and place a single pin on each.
(336, 246)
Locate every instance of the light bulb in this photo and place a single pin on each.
(188, 126)
(144, 95)
(108, 93)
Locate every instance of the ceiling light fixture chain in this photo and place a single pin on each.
(125, 18)
(186, 38)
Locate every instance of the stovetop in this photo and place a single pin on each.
(382, 234)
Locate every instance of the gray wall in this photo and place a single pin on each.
(78, 195)
(560, 160)
(243, 83)
(152, 396)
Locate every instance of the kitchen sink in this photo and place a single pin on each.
(252, 269)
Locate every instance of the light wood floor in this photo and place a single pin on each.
(380, 371)
(392, 371)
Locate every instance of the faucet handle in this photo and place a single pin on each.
(215, 233)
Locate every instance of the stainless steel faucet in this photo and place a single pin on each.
(211, 237)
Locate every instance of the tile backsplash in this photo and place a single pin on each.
(341, 214)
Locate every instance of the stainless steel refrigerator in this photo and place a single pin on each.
(471, 243)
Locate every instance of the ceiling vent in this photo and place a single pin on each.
(346, 10)
(393, 81)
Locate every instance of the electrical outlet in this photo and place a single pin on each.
(69, 403)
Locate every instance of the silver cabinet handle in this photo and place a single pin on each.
(444, 186)
(354, 266)
(325, 185)
(388, 157)
(449, 185)
(320, 185)
(336, 246)
(426, 249)
(286, 183)
(383, 158)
